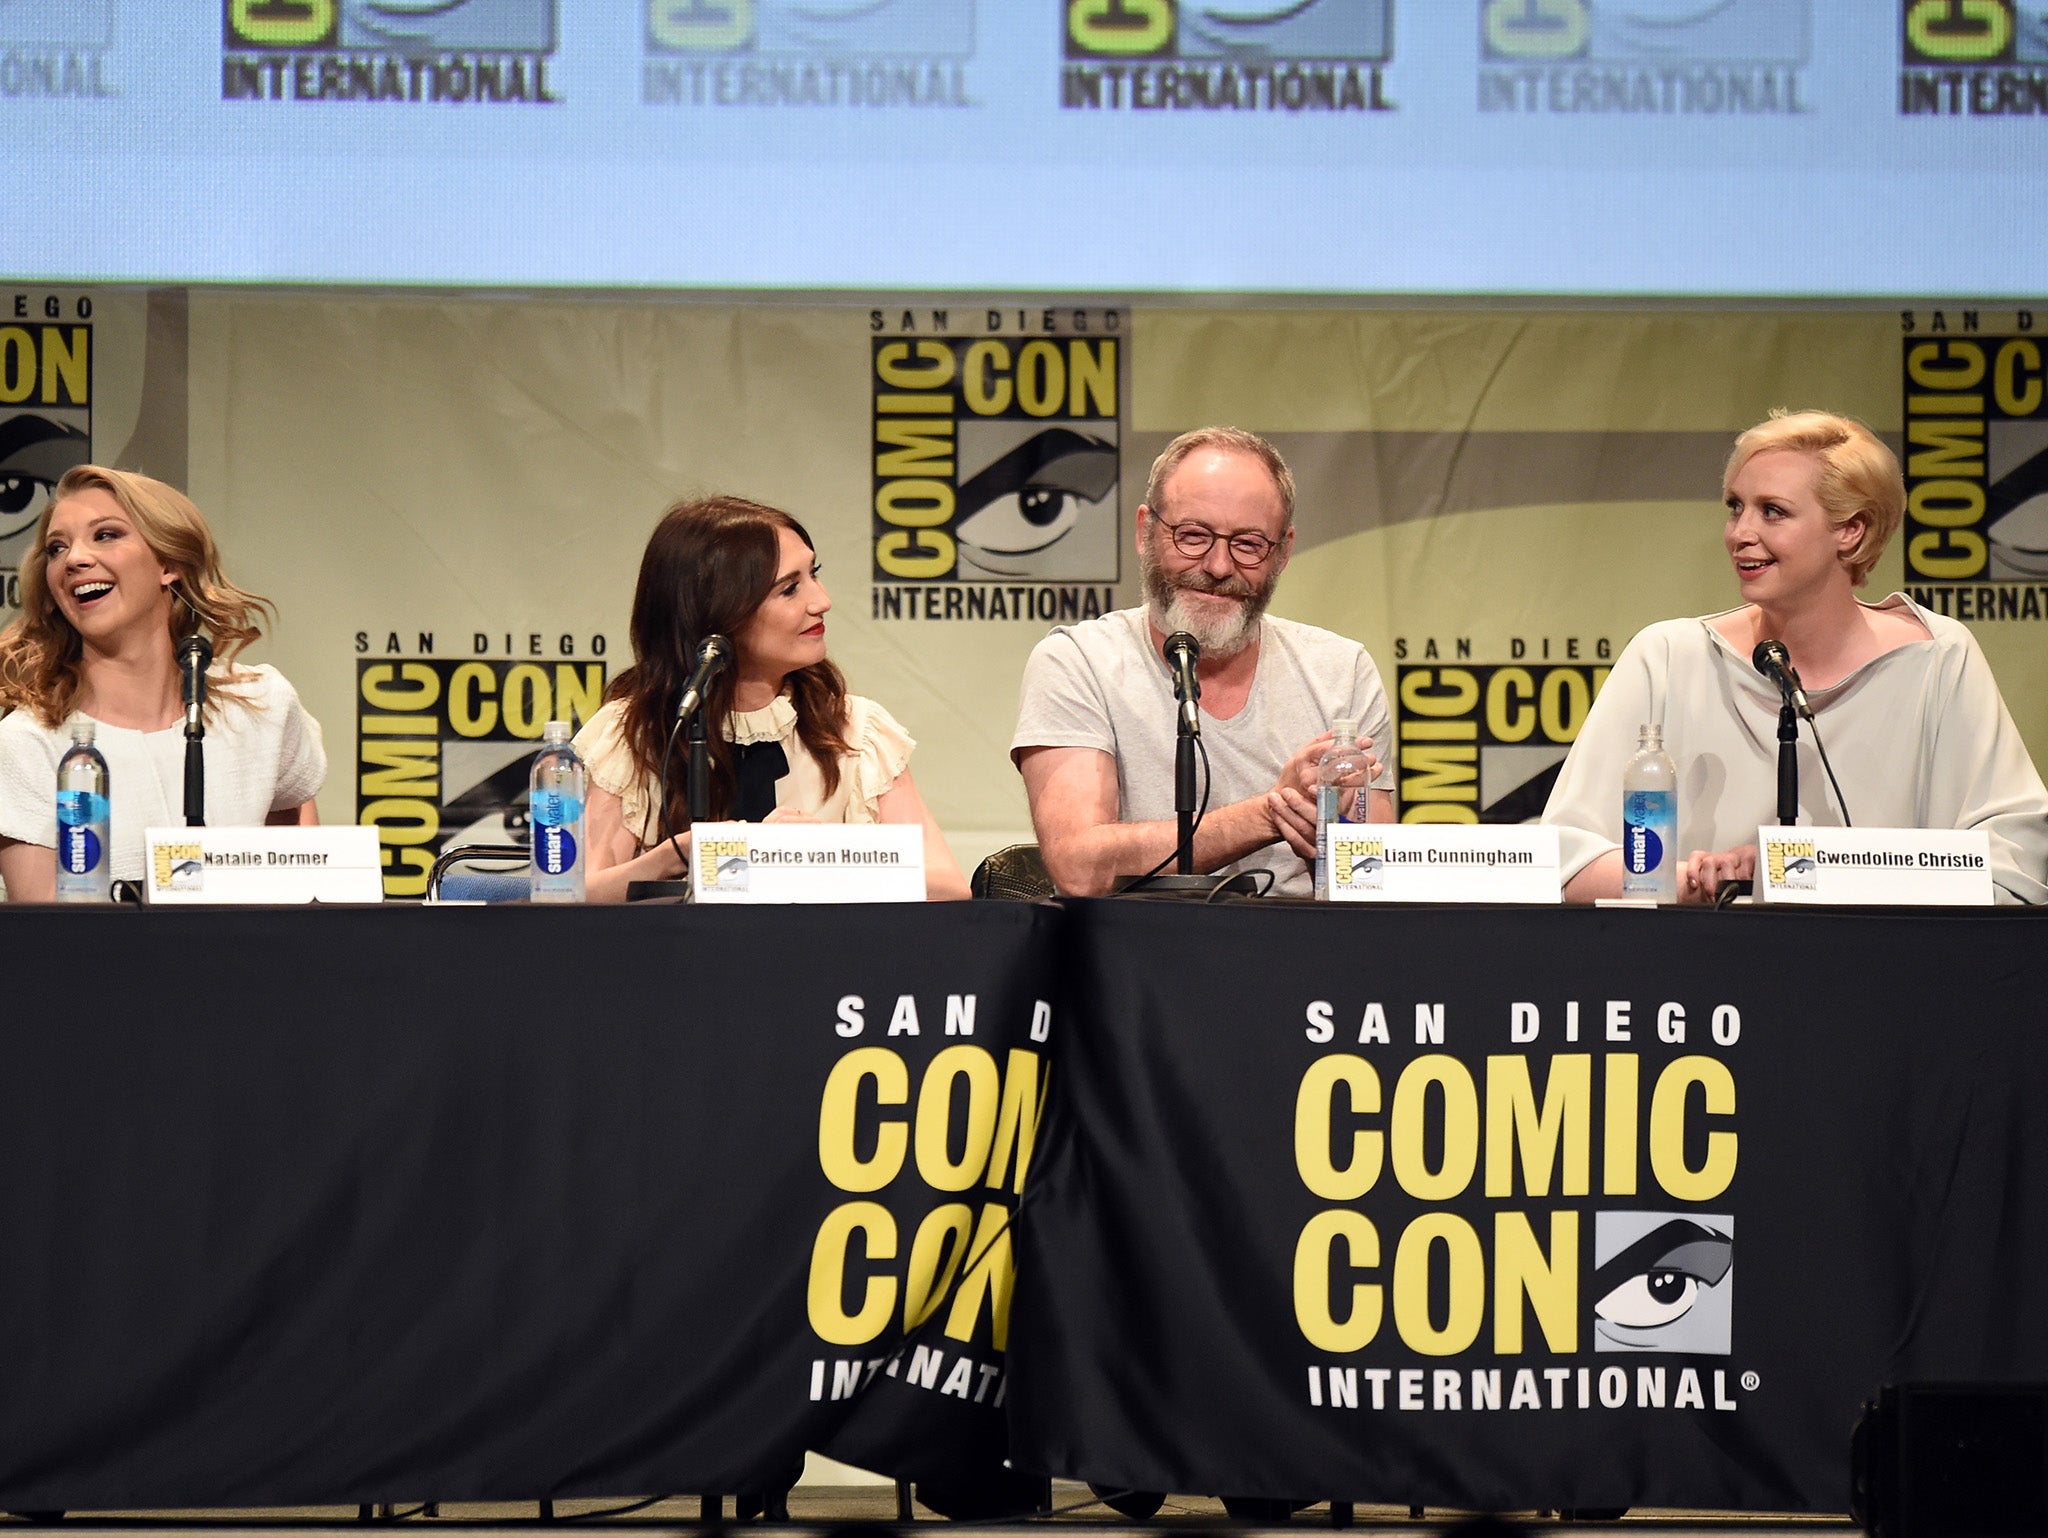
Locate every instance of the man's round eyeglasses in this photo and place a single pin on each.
(1193, 540)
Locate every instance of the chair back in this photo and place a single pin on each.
(481, 873)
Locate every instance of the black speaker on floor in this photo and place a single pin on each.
(1952, 1460)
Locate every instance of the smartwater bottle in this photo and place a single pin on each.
(555, 803)
(1340, 792)
(1649, 821)
(84, 855)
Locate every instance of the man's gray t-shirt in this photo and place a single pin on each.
(1101, 685)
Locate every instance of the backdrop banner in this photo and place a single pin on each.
(363, 1222)
(1513, 1209)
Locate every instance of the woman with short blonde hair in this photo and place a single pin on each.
(1902, 698)
(123, 570)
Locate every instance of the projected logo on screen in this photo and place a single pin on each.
(1985, 58)
(1976, 462)
(996, 471)
(1644, 56)
(55, 48)
(45, 417)
(1247, 55)
(445, 746)
(808, 53)
(1483, 742)
(452, 51)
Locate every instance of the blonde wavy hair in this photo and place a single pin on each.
(1859, 476)
(42, 656)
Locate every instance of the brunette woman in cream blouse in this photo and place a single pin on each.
(1904, 700)
(787, 741)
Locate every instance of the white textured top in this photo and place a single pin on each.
(1100, 684)
(1919, 737)
(263, 754)
(881, 751)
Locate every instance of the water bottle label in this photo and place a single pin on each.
(552, 809)
(78, 808)
(554, 848)
(1328, 805)
(1646, 830)
(79, 850)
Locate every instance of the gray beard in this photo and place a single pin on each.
(1219, 636)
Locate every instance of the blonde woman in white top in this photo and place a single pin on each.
(123, 570)
(787, 742)
(1903, 699)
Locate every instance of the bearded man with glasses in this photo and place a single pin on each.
(1096, 724)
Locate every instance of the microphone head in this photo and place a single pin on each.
(1180, 646)
(195, 649)
(1770, 658)
(714, 648)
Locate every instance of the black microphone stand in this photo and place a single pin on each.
(700, 770)
(195, 771)
(1788, 764)
(1184, 795)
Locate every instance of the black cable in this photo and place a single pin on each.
(1810, 721)
(613, 1511)
(668, 827)
(1201, 811)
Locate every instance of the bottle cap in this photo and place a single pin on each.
(1345, 730)
(557, 733)
(1653, 735)
(82, 730)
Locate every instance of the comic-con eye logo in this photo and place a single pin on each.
(1646, 31)
(1790, 864)
(1940, 33)
(411, 27)
(812, 27)
(1201, 29)
(45, 429)
(1661, 1282)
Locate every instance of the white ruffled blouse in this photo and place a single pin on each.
(881, 751)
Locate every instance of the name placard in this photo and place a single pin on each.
(1441, 863)
(808, 862)
(262, 865)
(1932, 867)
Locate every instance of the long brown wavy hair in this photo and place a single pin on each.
(709, 565)
(42, 656)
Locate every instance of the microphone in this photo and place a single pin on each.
(1775, 663)
(1182, 653)
(195, 656)
(712, 657)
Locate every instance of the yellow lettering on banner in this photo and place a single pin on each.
(1944, 447)
(17, 365)
(941, 1243)
(935, 1117)
(1041, 379)
(1120, 26)
(1565, 701)
(403, 769)
(418, 686)
(933, 369)
(1667, 1129)
(68, 365)
(829, 1265)
(1313, 1311)
(407, 821)
(579, 691)
(1510, 715)
(915, 504)
(527, 707)
(1315, 1111)
(991, 1278)
(1929, 557)
(915, 446)
(839, 1115)
(1431, 773)
(268, 24)
(1467, 1290)
(1536, 29)
(1959, 31)
(987, 397)
(913, 554)
(1017, 1120)
(1550, 1282)
(1514, 1125)
(1618, 1147)
(1945, 365)
(1091, 372)
(464, 713)
(2017, 359)
(1408, 1130)
(1947, 504)
(1439, 692)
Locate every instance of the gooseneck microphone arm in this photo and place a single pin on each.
(195, 656)
(1182, 653)
(1772, 660)
(714, 655)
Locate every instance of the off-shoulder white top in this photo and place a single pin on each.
(881, 751)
